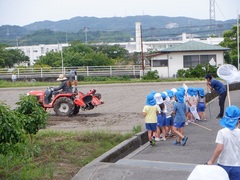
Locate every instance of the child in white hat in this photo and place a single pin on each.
(228, 144)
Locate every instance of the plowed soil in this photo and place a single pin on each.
(121, 111)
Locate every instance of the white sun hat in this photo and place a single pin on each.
(158, 98)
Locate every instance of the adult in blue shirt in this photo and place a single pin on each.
(221, 90)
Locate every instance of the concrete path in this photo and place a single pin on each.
(165, 160)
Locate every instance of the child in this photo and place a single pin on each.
(228, 143)
(201, 104)
(169, 118)
(191, 102)
(161, 117)
(150, 112)
(180, 111)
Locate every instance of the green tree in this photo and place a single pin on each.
(15, 56)
(230, 41)
(113, 52)
(9, 57)
(33, 116)
(51, 59)
(76, 55)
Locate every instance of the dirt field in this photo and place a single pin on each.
(121, 111)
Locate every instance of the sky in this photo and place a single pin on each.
(24, 12)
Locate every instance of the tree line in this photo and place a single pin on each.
(81, 54)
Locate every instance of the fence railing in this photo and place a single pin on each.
(134, 71)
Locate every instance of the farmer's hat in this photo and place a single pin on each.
(231, 117)
(150, 100)
(61, 77)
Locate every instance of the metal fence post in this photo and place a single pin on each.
(18, 73)
(110, 71)
(87, 71)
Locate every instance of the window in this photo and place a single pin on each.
(191, 61)
(204, 59)
(160, 63)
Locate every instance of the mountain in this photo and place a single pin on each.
(118, 23)
(110, 29)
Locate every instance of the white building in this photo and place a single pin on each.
(35, 51)
(186, 55)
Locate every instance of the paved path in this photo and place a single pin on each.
(164, 161)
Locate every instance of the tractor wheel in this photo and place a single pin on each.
(63, 106)
(76, 110)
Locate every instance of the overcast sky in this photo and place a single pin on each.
(24, 12)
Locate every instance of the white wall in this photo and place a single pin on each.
(175, 61)
(35, 51)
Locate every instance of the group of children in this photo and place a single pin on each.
(168, 112)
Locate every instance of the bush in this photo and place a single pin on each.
(11, 129)
(198, 72)
(151, 75)
(33, 116)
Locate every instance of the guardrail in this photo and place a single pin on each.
(133, 71)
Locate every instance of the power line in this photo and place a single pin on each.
(220, 10)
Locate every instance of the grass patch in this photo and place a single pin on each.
(57, 155)
(9, 84)
(6, 84)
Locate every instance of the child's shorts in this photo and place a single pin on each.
(179, 124)
(151, 126)
(201, 107)
(169, 121)
(161, 119)
(233, 171)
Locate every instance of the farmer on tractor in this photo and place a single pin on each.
(65, 86)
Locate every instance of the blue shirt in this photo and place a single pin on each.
(218, 86)
(180, 112)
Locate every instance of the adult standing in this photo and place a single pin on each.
(221, 90)
(228, 143)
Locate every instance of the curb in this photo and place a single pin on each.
(113, 155)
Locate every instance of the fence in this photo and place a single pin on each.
(133, 71)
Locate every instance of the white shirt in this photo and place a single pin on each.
(230, 155)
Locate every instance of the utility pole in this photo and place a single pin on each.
(143, 64)
(66, 37)
(238, 38)
(61, 56)
(212, 15)
(85, 29)
(17, 41)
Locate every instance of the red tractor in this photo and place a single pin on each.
(67, 104)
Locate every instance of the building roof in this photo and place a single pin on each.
(194, 46)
